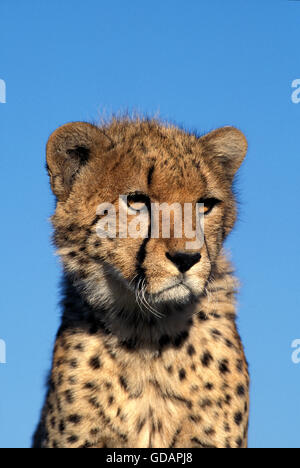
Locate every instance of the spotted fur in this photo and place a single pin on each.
(167, 370)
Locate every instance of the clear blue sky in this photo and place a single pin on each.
(200, 63)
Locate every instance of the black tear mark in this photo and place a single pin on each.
(141, 255)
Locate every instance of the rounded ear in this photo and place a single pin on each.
(70, 148)
(227, 147)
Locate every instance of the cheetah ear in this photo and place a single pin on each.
(227, 147)
(69, 149)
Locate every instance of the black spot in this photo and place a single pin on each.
(228, 399)
(50, 408)
(61, 427)
(191, 350)
(94, 431)
(87, 445)
(209, 431)
(206, 359)
(95, 363)
(111, 400)
(223, 367)
(72, 439)
(53, 422)
(209, 386)
(140, 425)
(216, 333)
(240, 391)
(94, 402)
(195, 418)
(227, 427)
(79, 347)
(153, 427)
(106, 419)
(228, 343)
(58, 403)
(170, 370)
(182, 374)
(175, 437)
(89, 386)
(206, 403)
(238, 418)
(74, 363)
(186, 402)
(72, 380)
(202, 316)
(159, 425)
(239, 442)
(73, 254)
(239, 365)
(123, 383)
(69, 396)
(74, 419)
(52, 385)
(60, 379)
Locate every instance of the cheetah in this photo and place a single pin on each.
(148, 354)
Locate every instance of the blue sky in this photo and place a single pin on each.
(202, 64)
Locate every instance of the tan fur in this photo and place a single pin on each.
(121, 377)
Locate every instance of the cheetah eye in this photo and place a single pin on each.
(207, 204)
(137, 202)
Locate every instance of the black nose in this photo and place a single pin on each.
(184, 261)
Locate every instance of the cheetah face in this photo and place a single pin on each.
(126, 170)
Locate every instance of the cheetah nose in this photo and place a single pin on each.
(184, 261)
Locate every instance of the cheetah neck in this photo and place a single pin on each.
(125, 324)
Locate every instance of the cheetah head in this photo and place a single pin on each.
(128, 167)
